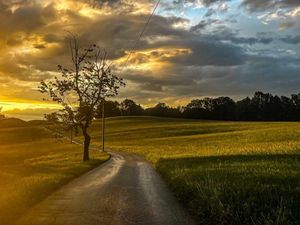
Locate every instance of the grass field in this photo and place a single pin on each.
(223, 172)
(33, 164)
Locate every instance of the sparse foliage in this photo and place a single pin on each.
(81, 88)
(130, 108)
(52, 118)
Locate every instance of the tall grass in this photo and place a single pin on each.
(32, 165)
(258, 189)
(223, 172)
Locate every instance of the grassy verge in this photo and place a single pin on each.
(258, 189)
(34, 164)
(223, 172)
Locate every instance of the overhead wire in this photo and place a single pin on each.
(141, 34)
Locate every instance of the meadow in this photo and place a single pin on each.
(222, 172)
(33, 163)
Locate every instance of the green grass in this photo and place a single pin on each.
(33, 164)
(223, 172)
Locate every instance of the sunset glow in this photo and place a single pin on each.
(188, 48)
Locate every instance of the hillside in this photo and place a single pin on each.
(12, 122)
(223, 172)
(33, 164)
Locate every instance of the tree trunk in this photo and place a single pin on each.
(71, 135)
(103, 126)
(87, 140)
(76, 130)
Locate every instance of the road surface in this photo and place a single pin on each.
(123, 191)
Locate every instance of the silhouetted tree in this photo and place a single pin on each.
(52, 118)
(163, 110)
(261, 107)
(295, 101)
(286, 108)
(265, 107)
(130, 108)
(223, 108)
(196, 110)
(112, 108)
(90, 79)
(245, 110)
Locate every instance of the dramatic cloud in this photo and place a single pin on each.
(198, 3)
(269, 4)
(203, 24)
(291, 39)
(191, 48)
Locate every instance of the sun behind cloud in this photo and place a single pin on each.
(190, 48)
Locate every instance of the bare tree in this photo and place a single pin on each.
(81, 89)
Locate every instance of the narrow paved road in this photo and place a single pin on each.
(123, 191)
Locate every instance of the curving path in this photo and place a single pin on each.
(123, 191)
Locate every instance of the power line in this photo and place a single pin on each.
(142, 33)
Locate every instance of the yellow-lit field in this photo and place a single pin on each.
(33, 164)
(224, 173)
(229, 173)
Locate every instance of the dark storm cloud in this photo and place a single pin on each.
(203, 24)
(248, 40)
(216, 61)
(184, 79)
(291, 39)
(209, 12)
(221, 33)
(119, 6)
(287, 25)
(209, 2)
(278, 75)
(206, 49)
(25, 19)
(115, 34)
(258, 5)
(290, 24)
(20, 26)
(52, 38)
(106, 1)
(40, 46)
(159, 83)
(113, 4)
(126, 29)
(207, 52)
(17, 26)
(204, 2)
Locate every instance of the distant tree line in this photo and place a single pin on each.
(261, 107)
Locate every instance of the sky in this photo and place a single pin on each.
(191, 48)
